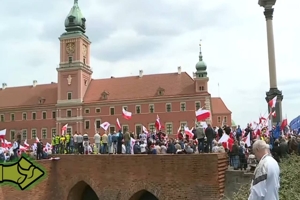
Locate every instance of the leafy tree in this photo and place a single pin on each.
(289, 181)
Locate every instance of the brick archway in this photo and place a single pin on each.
(143, 195)
(137, 189)
(82, 191)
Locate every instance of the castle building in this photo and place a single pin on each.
(41, 110)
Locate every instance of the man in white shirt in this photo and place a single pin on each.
(266, 182)
(97, 138)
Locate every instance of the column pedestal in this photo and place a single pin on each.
(278, 108)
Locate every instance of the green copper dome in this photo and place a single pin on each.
(201, 66)
(75, 20)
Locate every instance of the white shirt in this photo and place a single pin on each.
(123, 149)
(266, 182)
(143, 148)
(97, 138)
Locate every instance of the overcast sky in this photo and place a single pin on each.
(157, 36)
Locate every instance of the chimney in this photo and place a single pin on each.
(4, 85)
(194, 75)
(34, 83)
(141, 74)
(179, 69)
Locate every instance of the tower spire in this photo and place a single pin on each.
(200, 53)
(75, 2)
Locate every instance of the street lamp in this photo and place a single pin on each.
(273, 91)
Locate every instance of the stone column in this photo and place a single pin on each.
(272, 67)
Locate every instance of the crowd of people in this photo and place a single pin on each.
(199, 140)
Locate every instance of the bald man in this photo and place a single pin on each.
(266, 182)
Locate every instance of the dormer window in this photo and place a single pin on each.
(71, 19)
(41, 100)
(104, 95)
(83, 22)
(201, 88)
(160, 91)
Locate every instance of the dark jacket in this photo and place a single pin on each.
(209, 133)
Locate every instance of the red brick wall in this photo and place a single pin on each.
(121, 177)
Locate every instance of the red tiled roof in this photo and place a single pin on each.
(28, 95)
(135, 87)
(218, 106)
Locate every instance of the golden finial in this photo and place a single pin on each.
(200, 43)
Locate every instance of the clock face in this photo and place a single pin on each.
(70, 47)
(84, 50)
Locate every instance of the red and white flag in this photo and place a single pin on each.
(118, 124)
(272, 102)
(26, 144)
(274, 113)
(188, 132)
(157, 123)
(2, 134)
(105, 125)
(64, 129)
(145, 130)
(126, 114)
(202, 114)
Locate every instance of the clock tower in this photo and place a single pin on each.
(74, 71)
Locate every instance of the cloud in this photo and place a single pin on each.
(157, 37)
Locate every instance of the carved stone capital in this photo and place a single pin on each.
(269, 13)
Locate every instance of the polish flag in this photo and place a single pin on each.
(119, 125)
(64, 129)
(105, 125)
(2, 133)
(247, 140)
(22, 148)
(157, 123)
(126, 114)
(262, 120)
(274, 113)
(26, 144)
(284, 123)
(145, 130)
(188, 132)
(272, 102)
(202, 115)
(6, 144)
(37, 140)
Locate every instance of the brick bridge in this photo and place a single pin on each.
(128, 177)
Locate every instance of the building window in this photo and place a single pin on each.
(219, 119)
(33, 133)
(168, 107)
(138, 129)
(151, 108)
(98, 110)
(69, 95)
(87, 111)
(169, 128)
(152, 127)
(198, 105)
(70, 59)
(44, 133)
(24, 134)
(69, 113)
(182, 125)
(182, 107)
(201, 88)
(112, 129)
(24, 117)
(125, 128)
(138, 109)
(225, 119)
(53, 131)
(98, 123)
(53, 114)
(125, 107)
(87, 124)
(112, 111)
(44, 115)
(69, 130)
(84, 63)
(12, 135)
(12, 117)
(2, 118)
(33, 116)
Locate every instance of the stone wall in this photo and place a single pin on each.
(234, 180)
(122, 177)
